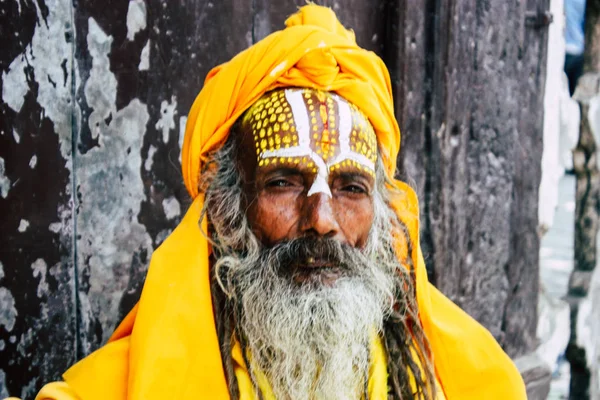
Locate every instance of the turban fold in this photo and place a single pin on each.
(167, 346)
(314, 51)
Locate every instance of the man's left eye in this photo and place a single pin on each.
(354, 189)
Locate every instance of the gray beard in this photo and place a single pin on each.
(310, 340)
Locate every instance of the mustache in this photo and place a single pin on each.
(280, 263)
(312, 252)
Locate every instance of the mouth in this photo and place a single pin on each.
(316, 271)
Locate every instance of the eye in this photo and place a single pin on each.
(278, 183)
(352, 188)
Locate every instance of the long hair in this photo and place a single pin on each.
(407, 350)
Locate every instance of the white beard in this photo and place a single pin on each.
(313, 343)
(310, 341)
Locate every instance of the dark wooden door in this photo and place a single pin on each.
(469, 89)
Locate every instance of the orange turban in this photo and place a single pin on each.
(314, 51)
(167, 347)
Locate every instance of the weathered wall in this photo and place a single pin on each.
(583, 283)
(592, 37)
(469, 79)
(38, 326)
(94, 102)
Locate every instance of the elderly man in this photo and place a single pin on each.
(296, 273)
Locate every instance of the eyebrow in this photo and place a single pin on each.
(355, 175)
(284, 171)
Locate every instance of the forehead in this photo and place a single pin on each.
(310, 126)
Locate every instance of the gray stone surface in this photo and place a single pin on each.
(536, 374)
(588, 332)
(581, 349)
(556, 264)
(556, 252)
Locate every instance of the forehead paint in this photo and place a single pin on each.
(304, 125)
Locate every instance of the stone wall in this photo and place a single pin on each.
(585, 332)
(584, 285)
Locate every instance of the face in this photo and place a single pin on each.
(312, 273)
(313, 172)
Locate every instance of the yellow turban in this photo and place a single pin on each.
(314, 51)
(167, 347)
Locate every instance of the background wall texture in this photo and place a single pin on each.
(93, 109)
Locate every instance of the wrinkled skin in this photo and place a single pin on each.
(279, 207)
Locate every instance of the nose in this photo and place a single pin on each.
(318, 217)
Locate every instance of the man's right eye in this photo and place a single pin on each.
(278, 183)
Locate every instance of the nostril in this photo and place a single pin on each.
(311, 233)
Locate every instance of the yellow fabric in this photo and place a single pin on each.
(167, 347)
(313, 51)
(377, 386)
(56, 390)
(378, 376)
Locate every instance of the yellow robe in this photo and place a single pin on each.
(167, 347)
(377, 386)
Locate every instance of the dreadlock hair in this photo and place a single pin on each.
(407, 349)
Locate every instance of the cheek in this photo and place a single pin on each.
(355, 219)
(273, 218)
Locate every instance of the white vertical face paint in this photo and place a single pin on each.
(282, 128)
(300, 117)
(346, 123)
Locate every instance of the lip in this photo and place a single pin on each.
(323, 272)
(312, 263)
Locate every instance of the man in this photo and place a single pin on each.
(296, 273)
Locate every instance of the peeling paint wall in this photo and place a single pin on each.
(92, 115)
(94, 103)
(37, 309)
(141, 65)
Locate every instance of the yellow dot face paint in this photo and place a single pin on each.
(311, 128)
